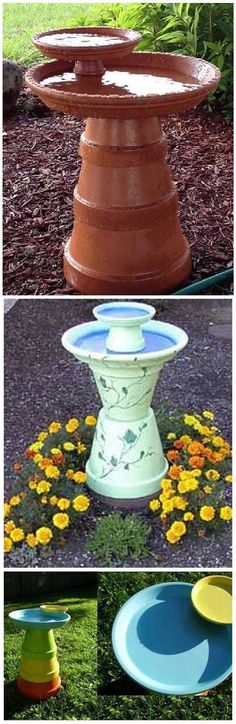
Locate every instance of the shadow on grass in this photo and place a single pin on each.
(13, 701)
(124, 686)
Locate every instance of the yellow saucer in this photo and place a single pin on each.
(212, 598)
(53, 608)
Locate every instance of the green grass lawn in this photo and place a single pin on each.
(77, 654)
(120, 697)
(21, 21)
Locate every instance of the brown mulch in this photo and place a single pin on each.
(41, 167)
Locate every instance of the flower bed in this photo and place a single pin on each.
(193, 497)
(51, 493)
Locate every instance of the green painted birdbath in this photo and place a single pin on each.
(38, 676)
(126, 350)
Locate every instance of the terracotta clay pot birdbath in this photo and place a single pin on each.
(125, 350)
(38, 676)
(126, 236)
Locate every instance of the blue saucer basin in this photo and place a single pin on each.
(35, 618)
(89, 340)
(164, 645)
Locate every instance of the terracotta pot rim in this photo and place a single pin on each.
(100, 105)
(130, 38)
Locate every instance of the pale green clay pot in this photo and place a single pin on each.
(126, 459)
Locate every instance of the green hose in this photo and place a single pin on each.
(204, 283)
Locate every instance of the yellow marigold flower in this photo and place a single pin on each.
(183, 486)
(189, 516)
(31, 540)
(226, 449)
(154, 505)
(52, 471)
(44, 500)
(55, 451)
(171, 537)
(42, 435)
(36, 446)
(167, 506)
(72, 424)
(185, 439)
(43, 487)
(212, 475)
(171, 436)
(204, 430)
(61, 520)
(7, 544)
(207, 489)
(166, 484)
(226, 512)
(80, 477)
(54, 427)
(228, 478)
(43, 535)
(32, 484)
(81, 447)
(207, 512)
(70, 474)
(90, 420)
(218, 441)
(163, 516)
(164, 496)
(178, 528)
(53, 500)
(179, 502)
(63, 503)
(68, 446)
(38, 458)
(209, 415)
(9, 526)
(7, 509)
(81, 503)
(15, 500)
(17, 535)
(194, 473)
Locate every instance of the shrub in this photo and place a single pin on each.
(118, 538)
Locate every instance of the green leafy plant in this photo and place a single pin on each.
(119, 538)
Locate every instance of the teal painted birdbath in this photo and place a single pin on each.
(38, 676)
(125, 350)
(162, 643)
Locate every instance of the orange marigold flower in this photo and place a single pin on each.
(173, 456)
(179, 444)
(174, 471)
(17, 467)
(44, 463)
(58, 459)
(196, 461)
(195, 448)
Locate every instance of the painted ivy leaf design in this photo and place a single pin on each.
(126, 467)
(113, 461)
(102, 381)
(100, 455)
(130, 437)
(142, 454)
(124, 390)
